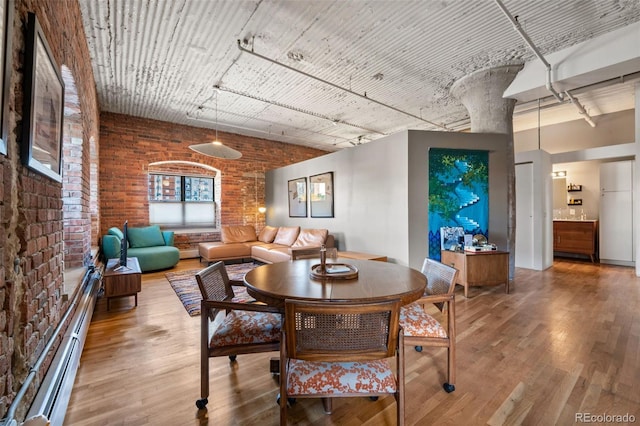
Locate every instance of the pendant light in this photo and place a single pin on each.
(216, 148)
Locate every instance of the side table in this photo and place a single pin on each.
(122, 282)
(479, 268)
(361, 256)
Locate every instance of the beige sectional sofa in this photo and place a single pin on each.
(271, 245)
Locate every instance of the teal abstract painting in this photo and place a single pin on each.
(458, 193)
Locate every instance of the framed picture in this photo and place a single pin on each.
(43, 105)
(298, 197)
(321, 195)
(6, 66)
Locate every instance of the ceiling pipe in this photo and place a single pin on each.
(300, 110)
(269, 133)
(273, 61)
(525, 37)
(581, 109)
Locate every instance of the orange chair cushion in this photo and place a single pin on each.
(313, 377)
(416, 322)
(243, 327)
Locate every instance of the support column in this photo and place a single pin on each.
(481, 93)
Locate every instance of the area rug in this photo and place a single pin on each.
(186, 287)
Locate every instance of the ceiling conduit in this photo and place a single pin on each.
(558, 96)
(273, 61)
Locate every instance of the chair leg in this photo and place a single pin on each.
(327, 404)
(283, 381)
(451, 350)
(204, 360)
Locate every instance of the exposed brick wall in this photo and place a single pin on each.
(31, 205)
(129, 144)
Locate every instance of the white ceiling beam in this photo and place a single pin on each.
(609, 56)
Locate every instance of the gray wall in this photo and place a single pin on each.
(381, 191)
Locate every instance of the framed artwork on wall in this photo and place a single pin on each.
(321, 195)
(43, 105)
(298, 197)
(6, 66)
(458, 194)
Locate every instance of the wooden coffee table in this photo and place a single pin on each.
(122, 282)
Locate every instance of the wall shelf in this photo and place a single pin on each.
(574, 188)
(575, 202)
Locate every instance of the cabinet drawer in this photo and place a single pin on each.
(458, 261)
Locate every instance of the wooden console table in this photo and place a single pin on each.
(479, 268)
(122, 282)
(361, 256)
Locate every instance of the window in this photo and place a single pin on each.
(181, 201)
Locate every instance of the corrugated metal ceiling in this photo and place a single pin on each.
(161, 59)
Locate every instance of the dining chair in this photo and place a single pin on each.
(237, 327)
(341, 349)
(312, 253)
(421, 329)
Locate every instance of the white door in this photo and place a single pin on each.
(616, 226)
(524, 257)
(616, 176)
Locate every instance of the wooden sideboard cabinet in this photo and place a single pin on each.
(576, 237)
(479, 268)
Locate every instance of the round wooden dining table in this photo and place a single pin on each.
(375, 281)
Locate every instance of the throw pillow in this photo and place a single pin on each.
(286, 235)
(149, 236)
(311, 238)
(267, 234)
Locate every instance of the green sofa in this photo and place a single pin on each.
(152, 246)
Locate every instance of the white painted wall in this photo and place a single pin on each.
(611, 129)
(381, 191)
(543, 208)
(580, 149)
(370, 196)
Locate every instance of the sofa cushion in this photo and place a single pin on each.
(286, 235)
(148, 236)
(271, 253)
(267, 234)
(238, 233)
(311, 238)
(219, 250)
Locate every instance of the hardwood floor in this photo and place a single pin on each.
(565, 341)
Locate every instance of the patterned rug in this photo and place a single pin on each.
(186, 287)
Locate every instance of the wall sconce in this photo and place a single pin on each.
(262, 210)
(559, 174)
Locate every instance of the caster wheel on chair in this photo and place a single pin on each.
(201, 403)
(448, 387)
(232, 358)
(418, 348)
(290, 401)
